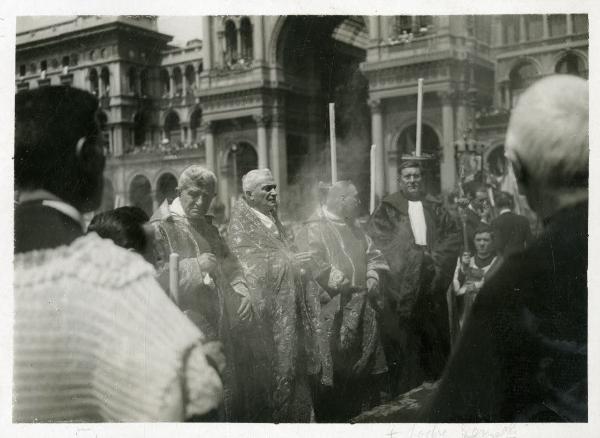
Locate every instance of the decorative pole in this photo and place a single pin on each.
(419, 115)
(372, 198)
(174, 276)
(332, 143)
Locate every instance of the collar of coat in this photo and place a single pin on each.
(400, 202)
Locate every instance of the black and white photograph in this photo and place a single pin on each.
(358, 219)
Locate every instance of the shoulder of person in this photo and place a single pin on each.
(397, 201)
(99, 261)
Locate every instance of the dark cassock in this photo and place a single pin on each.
(420, 241)
(522, 354)
(209, 300)
(280, 347)
(349, 315)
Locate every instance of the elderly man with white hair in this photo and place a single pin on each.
(523, 352)
(285, 316)
(212, 288)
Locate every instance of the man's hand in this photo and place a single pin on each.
(207, 262)
(337, 280)
(303, 257)
(465, 259)
(245, 310)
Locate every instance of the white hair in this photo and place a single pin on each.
(198, 175)
(254, 177)
(548, 131)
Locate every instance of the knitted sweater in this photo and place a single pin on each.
(96, 339)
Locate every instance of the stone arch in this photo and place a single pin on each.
(105, 81)
(277, 33)
(94, 81)
(172, 127)
(140, 193)
(140, 127)
(166, 185)
(195, 123)
(520, 61)
(190, 77)
(576, 55)
(247, 46)
(165, 84)
(245, 155)
(178, 81)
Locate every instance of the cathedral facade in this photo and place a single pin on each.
(253, 92)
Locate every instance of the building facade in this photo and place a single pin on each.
(253, 92)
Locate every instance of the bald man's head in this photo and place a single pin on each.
(547, 138)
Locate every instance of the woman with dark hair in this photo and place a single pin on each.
(124, 226)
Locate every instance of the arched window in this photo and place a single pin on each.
(103, 123)
(140, 122)
(94, 86)
(66, 61)
(430, 144)
(521, 77)
(190, 78)
(44, 65)
(140, 194)
(172, 129)
(230, 42)
(246, 39)
(195, 121)
(166, 188)
(132, 80)
(571, 64)
(144, 82)
(165, 82)
(178, 80)
(105, 80)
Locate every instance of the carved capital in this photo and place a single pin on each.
(446, 97)
(208, 127)
(375, 105)
(261, 120)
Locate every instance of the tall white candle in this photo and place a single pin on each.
(372, 198)
(419, 115)
(174, 276)
(332, 143)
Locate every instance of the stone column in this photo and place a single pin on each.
(209, 143)
(261, 127)
(461, 115)
(377, 139)
(171, 83)
(257, 38)
(545, 27)
(118, 140)
(507, 96)
(522, 29)
(499, 32)
(206, 42)
(448, 164)
(279, 152)
(569, 18)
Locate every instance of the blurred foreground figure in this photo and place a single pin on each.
(420, 241)
(522, 355)
(212, 289)
(512, 232)
(346, 268)
(95, 337)
(286, 317)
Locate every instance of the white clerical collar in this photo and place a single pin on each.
(266, 220)
(505, 210)
(50, 200)
(177, 208)
(331, 216)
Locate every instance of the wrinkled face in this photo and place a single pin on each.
(195, 199)
(483, 244)
(410, 182)
(349, 203)
(264, 196)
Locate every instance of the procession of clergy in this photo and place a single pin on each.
(323, 325)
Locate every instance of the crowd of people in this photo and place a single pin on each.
(319, 326)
